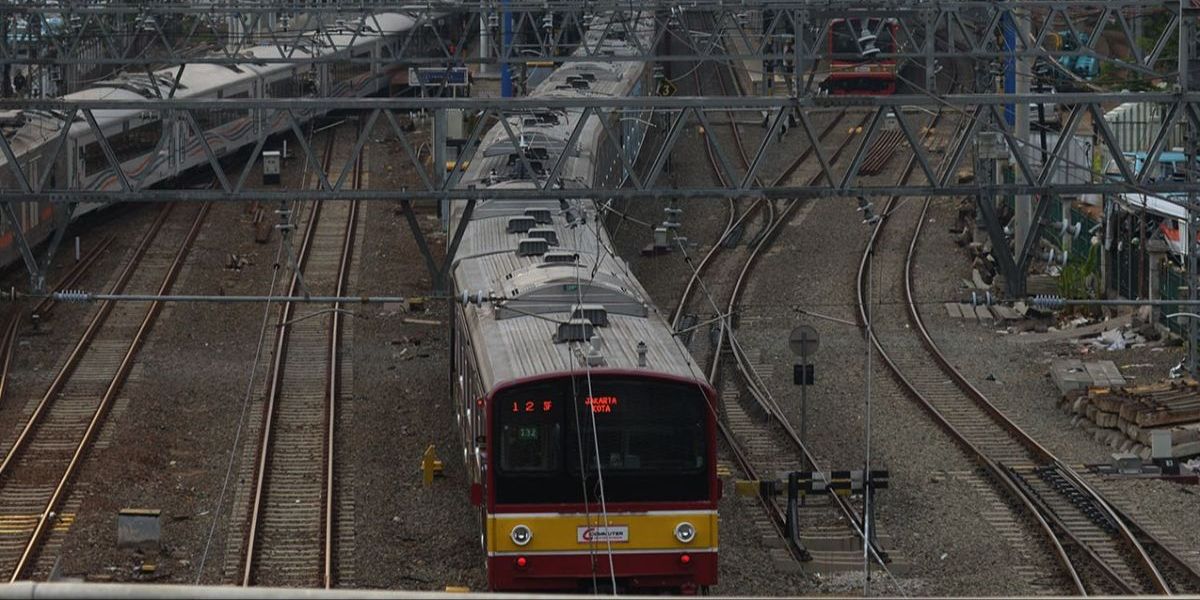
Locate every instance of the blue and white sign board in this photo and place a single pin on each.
(438, 76)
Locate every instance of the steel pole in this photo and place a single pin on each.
(1187, 37)
(867, 458)
(506, 83)
(1020, 71)
(485, 38)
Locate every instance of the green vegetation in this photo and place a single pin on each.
(1078, 278)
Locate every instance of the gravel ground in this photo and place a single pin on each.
(923, 511)
(934, 494)
(409, 536)
(170, 446)
(1014, 373)
(745, 566)
(169, 441)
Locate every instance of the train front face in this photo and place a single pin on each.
(864, 75)
(619, 479)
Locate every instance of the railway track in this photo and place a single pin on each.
(756, 436)
(294, 538)
(41, 310)
(1096, 548)
(38, 468)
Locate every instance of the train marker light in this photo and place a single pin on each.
(521, 534)
(685, 532)
(685, 559)
(521, 562)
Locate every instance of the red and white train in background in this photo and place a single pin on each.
(152, 148)
(853, 67)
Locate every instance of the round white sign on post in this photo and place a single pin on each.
(804, 341)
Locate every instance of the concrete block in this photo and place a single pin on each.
(1160, 443)
(139, 528)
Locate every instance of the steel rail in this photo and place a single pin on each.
(1151, 570)
(743, 460)
(106, 401)
(755, 386)
(731, 225)
(740, 457)
(774, 513)
(1039, 512)
(334, 376)
(7, 345)
(768, 237)
(327, 520)
(998, 472)
(84, 342)
(269, 410)
(46, 305)
(13, 326)
(704, 263)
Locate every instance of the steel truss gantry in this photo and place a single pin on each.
(979, 113)
(1133, 38)
(550, 29)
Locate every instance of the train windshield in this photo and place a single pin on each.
(647, 440)
(845, 35)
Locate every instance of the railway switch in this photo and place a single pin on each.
(803, 483)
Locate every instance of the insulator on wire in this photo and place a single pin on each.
(1049, 301)
(984, 299)
(477, 298)
(72, 296)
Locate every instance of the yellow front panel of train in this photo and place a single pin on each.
(625, 531)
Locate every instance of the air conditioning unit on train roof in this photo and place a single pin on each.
(532, 247)
(541, 215)
(596, 314)
(521, 224)
(560, 258)
(545, 233)
(574, 330)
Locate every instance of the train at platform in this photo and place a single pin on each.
(151, 148)
(589, 433)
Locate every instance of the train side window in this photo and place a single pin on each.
(137, 141)
(288, 87)
(211, 119)
(93, 159)
(346, 70)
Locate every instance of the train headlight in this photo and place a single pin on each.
(521, 534)
(685, 532)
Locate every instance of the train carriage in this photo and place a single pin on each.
(589, 432)
(151, 149)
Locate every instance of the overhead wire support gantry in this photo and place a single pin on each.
(443, 33)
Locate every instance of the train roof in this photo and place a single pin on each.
(532, 295)
(1163, 205)
(199, 80)
(542, 264)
